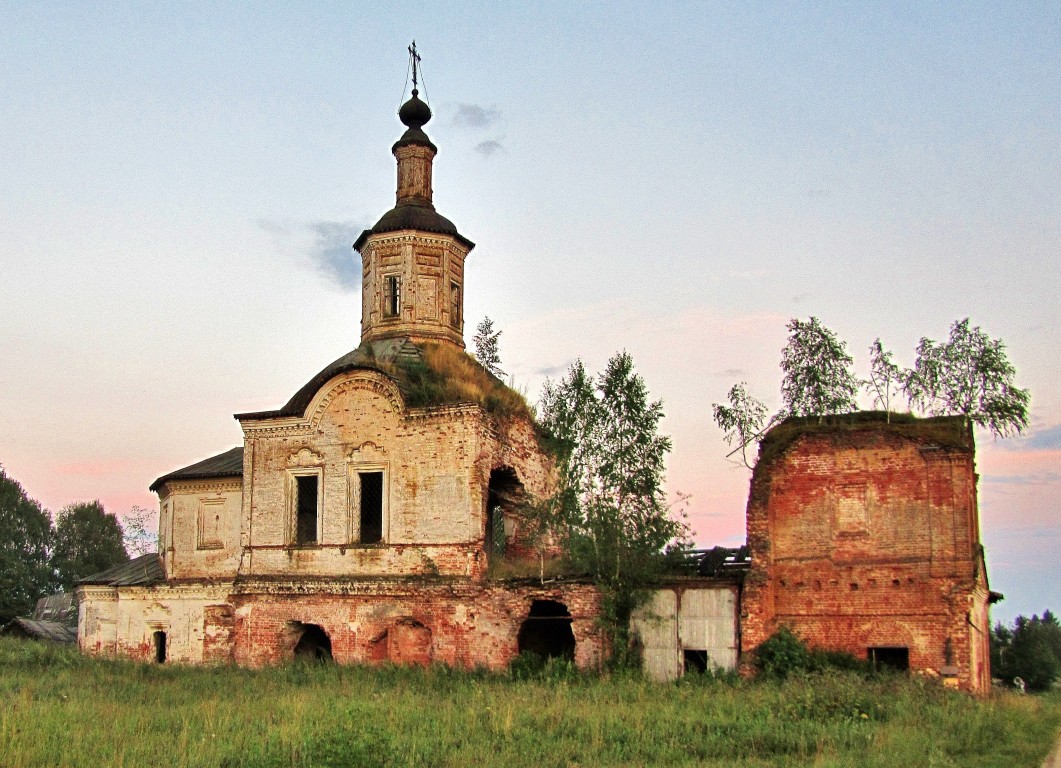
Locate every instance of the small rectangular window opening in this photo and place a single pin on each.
(695, 662)
(306, 509)
(455, 305)
(892, 658)
(371, 507)
(159, 641)
(392, 295)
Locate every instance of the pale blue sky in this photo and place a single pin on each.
(178, 184)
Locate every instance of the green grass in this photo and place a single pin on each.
(60, 709)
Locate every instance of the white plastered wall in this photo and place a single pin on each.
(676, 619)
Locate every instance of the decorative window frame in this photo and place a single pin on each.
(292, 504)
(368, 457)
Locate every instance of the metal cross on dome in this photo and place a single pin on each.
(414, 61)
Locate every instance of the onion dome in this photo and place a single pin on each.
(414, 113)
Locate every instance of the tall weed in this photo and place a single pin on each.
(59, 708)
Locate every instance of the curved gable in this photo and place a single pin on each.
(360, 380)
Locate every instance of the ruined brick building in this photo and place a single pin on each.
(865, 538)
(358, 521)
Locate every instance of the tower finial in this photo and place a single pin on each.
(414, 63)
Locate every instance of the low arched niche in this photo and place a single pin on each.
(547, 632)
(308, 642)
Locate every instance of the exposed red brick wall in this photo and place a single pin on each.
(865, 535)
(406, 622)
(218, 629)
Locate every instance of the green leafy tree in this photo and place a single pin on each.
(885, 377)
(968, 375)
(25, 533)
(488, 347)
(817, 371)
(615, 521)
(137, 534)
(743, 420)
(1031, 650)
(87, 540)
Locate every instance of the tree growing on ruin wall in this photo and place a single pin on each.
(817, 378)
(885, 378)
(487, 343)
(743, 420)
(615, 522)
(969, 375)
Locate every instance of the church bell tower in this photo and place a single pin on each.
(412, 282)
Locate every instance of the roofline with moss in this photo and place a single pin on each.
(943, 432)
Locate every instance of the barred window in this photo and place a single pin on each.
(306, 488)
(371, 507)
(392, 295)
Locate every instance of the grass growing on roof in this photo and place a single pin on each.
(449, 375)
(58, 708)
(944, 431)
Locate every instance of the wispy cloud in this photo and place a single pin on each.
(475, 116)
(1041, 439)
(1032, 478)
(552, 370)
(333, 254)
(489, 148)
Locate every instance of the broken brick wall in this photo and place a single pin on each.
(465, 625)
(407, 622)
(401, 621)
(865, 535)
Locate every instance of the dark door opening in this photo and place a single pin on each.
(313, 645)
(546, 632)
(892, 658)
(159, 641)
(695, 662)
(503, 497)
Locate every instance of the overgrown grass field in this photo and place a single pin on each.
(60, 709)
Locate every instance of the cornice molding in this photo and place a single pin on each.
(225, 485)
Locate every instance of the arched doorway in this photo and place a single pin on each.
(546, 632)
(158, 640)
(313, 644)
(504, 495)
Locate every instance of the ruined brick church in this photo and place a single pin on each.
(358, 521)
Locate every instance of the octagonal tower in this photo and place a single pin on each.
(413, 258)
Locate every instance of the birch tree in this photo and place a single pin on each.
(817, 377)
(968, 375)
